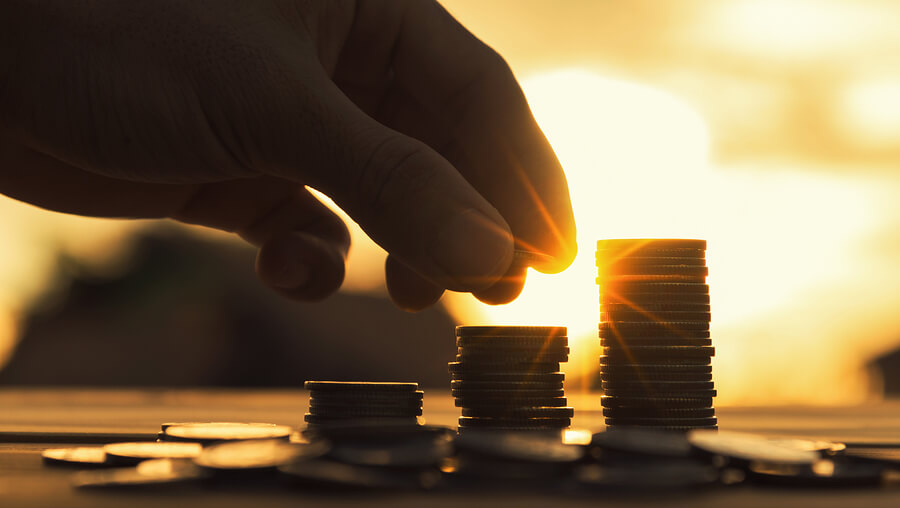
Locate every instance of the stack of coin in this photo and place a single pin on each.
(654, 328)
(360, 404)
(507, 377)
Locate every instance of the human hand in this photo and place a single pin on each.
(219, 113)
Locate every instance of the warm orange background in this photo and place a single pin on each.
(770, 128)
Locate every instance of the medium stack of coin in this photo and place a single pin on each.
(654, 328)
(344, 404)
(508, 378)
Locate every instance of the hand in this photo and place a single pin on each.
(219, 113)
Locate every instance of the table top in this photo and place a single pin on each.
(34, 419)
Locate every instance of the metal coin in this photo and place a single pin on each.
(506, 402)
(520, 412)
(746, 448)
(353, 386)
(147, 473)
(653, 402)
(257, 454)
(128, 454)
(494, 341)
(82, 456)
(210, 433)
(643, 412)
(511, 331)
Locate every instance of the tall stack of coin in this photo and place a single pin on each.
(508, 378)
(342, 404)
(654, 328)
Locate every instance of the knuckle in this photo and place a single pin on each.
(394, 170)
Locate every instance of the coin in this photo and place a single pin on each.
(645, 412)
(652, 287)
(148, 472)
(322, 473)
(257, 454)
(821, 474)
(662, 421)
(673, 305)
(614, 359)
(501, 402)
(620, 272)
(746, 448)
(495, 341)
(627, 342)
(523, 367)
(368, 396)
(133, 453)
(490, 393)
(82, 456)
(642, 299)
(510, 377)
(209, 433)
(653, 402)
(521, 412)
(519, 447)
(662, 386)
(513, 351)
(352, 386)
(511, 331)
(356, 412)
(636, 244)
(642, 441)
(654, 316)
(627, 262)
(499, 385)
(652, 370)
(415, 450)
(471, 421)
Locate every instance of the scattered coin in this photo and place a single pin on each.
(147, 473)
(745, 448)
(133, 453)
(257, 454)
(82, 456)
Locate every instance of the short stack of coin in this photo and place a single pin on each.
(343, 404)
(508, 378)
(654, 328)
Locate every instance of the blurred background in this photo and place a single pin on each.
(771, 128)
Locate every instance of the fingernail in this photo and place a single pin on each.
(473, 250)
(293, 275)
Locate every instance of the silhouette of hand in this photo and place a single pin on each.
(220, 113)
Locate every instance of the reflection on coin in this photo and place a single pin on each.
(520, 446)
(82, 456)
(208, 432)
(744, 448)
(257, 454)
(133, 453)
(642, 442)
(147, 473)
(417, 450)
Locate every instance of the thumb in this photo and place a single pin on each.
(407, 197)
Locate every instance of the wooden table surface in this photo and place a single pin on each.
(34, 419)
